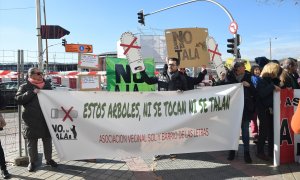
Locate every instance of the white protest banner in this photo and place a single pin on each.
(89, 125)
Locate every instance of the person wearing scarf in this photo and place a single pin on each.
(35, 126)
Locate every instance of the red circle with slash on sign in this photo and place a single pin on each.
(233, 27)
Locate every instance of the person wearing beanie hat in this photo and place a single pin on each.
(261, 61)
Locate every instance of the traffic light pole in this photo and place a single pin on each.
(46, 40)
(211, 1)
(192, 1)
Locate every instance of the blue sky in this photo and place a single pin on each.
(101, 23)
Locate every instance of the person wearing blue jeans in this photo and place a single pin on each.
(238, 74)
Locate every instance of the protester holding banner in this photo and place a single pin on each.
(238, 74)
(4, 171)
(287, 77)
(265, 89)
(176, 81)
(35, 126)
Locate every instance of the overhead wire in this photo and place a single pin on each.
(10, 9)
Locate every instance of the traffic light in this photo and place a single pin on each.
(64, 42)
(233, 44)
(141, 17)
(238, 42)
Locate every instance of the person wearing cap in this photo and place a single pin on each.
(238, 74)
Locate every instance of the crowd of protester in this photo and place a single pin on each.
(265, 77)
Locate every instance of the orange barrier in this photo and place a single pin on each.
(296, 121)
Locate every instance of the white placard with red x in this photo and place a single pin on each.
(215, 55)
(132, 51)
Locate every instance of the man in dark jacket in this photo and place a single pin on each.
(175, 81)
(238, 74)
(35, 126)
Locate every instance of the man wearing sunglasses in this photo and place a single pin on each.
(35, 126)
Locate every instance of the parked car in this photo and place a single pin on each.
(9, 90)
(60, 87)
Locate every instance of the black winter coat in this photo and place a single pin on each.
(177, 81)
(265, 89)
(249, 93)
(192, 81)
(34, 121)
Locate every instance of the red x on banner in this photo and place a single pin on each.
(67, 114)
(130, 46)
(214, 52)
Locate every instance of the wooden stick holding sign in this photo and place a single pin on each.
(132, 51)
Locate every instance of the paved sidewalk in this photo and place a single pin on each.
(212, 165)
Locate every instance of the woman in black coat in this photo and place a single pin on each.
(265, 89)
(35, 126)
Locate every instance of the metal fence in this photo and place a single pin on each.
(11, 56)
(10, 134)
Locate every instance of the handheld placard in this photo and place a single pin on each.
(132, 51)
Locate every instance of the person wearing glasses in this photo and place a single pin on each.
(35, 126)
(176, 81)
